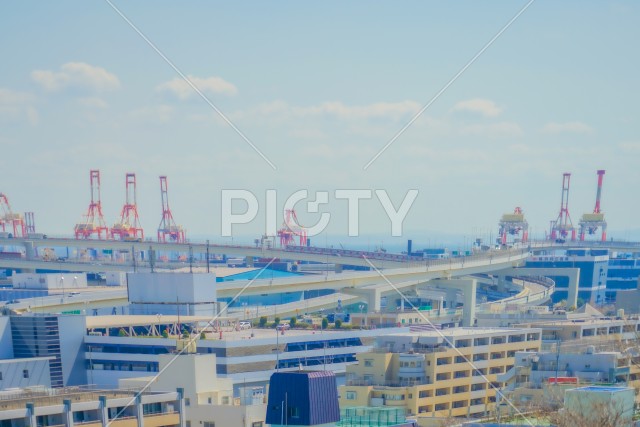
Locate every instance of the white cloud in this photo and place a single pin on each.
(307, 133)
(156, 113)
(379, 110)
(16, 105)
(213, 85)
(484, 107)
(493, 130)
(391, 110)
(76, 74)
(567, 127)
(93, 102)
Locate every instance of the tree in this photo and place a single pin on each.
(165, 334)
(276, 321)
(263, 321)
(203, 336)
(338, 323)
(325, 323)
(292, 321)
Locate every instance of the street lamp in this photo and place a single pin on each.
(62, 286)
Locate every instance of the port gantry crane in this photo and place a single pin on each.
(590, 222)
(93, 221)
(8, 217)
(291, 228)
(562, 226)
(129, 228)
(168, 227)
(513, 224)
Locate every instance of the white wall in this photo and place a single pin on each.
(116, 278)
(49, 281)
(12, 373)
(171, 287)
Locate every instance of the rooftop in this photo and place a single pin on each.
(42, 396)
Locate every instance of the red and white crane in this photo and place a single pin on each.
(291, 228)
(10, 221)
(563, 226)
(93, 221)
(129, 228)
(168, 227)
(590, 222)
(513, 224)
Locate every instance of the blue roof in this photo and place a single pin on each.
(602, 389)
(303, 398)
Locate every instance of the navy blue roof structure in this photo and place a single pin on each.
(303, 398)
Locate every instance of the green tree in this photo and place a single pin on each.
(165, 334)
(203, 336)
(325, 323)
(292, 322)
(338, 323)
(276, 321)
(263, 321)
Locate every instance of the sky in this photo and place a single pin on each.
(319, 89)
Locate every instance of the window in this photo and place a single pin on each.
(257, 424)
(209, 400)
(187, 401)
(188, 423)
(225, 400)
(25, 373)
(208, 424)
(294, 412)
(368, 363)
(351, 395)
(0, 376)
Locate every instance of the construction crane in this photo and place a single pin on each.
(562, 226)
(168, 227)
(93, 222)
(291, 228)
(590, 222)
(129, 228)
(14, 221)
(513, 224)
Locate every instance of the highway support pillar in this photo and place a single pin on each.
(372, 297)
(468, 288)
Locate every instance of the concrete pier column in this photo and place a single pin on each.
(104, 411)
(139, 411)
(68, 415)
(31, 420)
(371, 296)
(468, 288)
(29, 250)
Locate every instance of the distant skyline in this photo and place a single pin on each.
(319, 89)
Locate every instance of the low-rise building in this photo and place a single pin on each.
(543, 377)
(436, 373)
(209, 400)
(90, 408)
(247, 356)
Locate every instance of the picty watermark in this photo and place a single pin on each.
(240, 207)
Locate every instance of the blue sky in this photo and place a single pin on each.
(320, 88)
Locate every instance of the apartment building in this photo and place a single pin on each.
(447, 373)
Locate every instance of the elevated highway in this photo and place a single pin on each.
(364, 285)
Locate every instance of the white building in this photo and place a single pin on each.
(49, 281)
(208, 399)
(188, 294)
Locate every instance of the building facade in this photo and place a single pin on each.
(436, 374)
